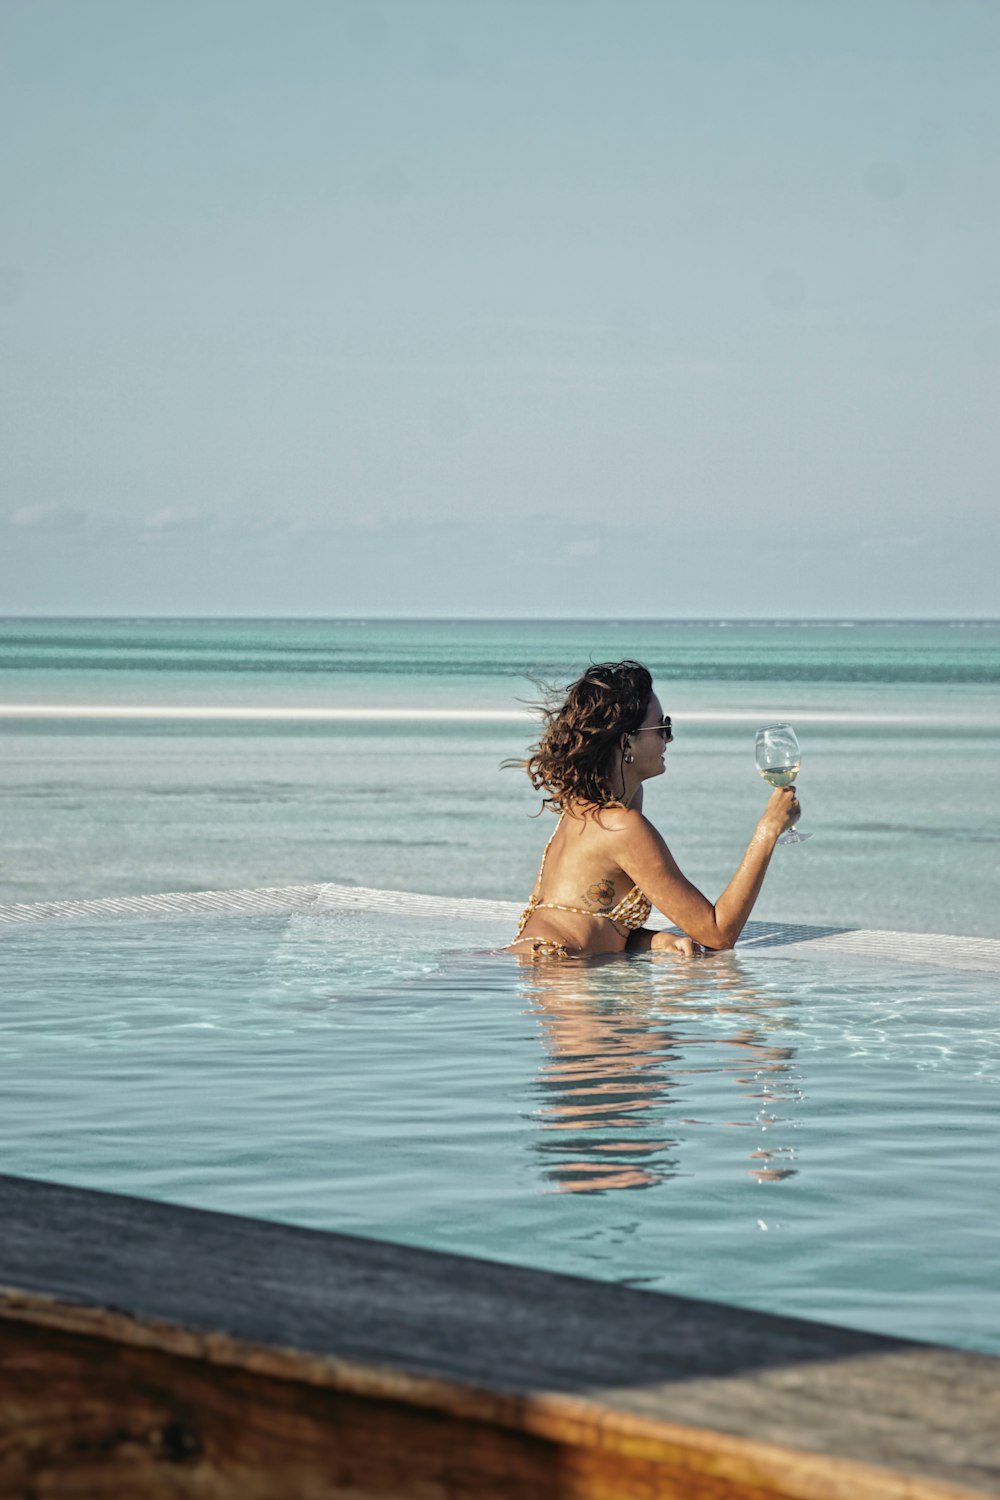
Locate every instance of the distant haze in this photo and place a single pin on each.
(580, 307)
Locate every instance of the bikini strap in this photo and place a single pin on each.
(533, 898)
(545, 855)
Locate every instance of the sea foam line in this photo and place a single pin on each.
(365, 714)
(213, 711)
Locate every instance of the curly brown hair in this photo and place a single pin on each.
(574, 760)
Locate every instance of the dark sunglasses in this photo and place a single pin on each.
(664, 728)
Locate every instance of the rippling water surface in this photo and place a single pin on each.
(815, 1136)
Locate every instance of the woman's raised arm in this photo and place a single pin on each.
(646, 859)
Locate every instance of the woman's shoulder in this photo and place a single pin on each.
(613, 819)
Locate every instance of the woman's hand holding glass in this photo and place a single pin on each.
(779, 761)
(781, 814)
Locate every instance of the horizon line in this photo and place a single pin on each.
(130, 617)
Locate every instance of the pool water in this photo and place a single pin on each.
(811, 1135)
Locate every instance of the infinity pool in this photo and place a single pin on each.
(807, 1134)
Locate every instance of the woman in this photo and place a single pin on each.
(605, 866)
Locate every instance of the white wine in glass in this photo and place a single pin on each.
(779, 761)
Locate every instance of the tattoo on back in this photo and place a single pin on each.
(601, 894)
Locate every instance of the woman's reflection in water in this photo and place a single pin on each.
(619, 1037)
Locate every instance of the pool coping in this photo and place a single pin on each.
(940, 949)
(157, 1349)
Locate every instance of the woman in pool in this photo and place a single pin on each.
(605, 866)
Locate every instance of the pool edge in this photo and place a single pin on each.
(936, 949)
(390, 1366)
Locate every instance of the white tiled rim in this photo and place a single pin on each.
(914, 947)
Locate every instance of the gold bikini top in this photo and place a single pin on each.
(632, 911)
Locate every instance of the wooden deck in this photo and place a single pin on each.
(149, 1350)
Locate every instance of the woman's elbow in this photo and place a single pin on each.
(720, 936)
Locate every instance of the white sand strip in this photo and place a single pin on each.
(202, 711)
(988, 719)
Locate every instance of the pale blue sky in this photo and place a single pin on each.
(500, 306)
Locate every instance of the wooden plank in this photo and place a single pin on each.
(174, 1351)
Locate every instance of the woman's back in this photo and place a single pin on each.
(583, 899)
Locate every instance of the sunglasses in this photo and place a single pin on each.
(664, 728)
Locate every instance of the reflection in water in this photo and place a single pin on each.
(629, 1042)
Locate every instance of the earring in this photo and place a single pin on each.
(628, 757)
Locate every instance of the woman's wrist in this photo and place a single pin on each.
(766, 833)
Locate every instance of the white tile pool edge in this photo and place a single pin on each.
(939, 949)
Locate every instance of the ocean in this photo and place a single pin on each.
(177, 755)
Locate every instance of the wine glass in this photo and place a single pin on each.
(779, 761)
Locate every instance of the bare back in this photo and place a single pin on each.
(583, 899)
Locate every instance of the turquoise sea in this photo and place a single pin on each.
(153, 755)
